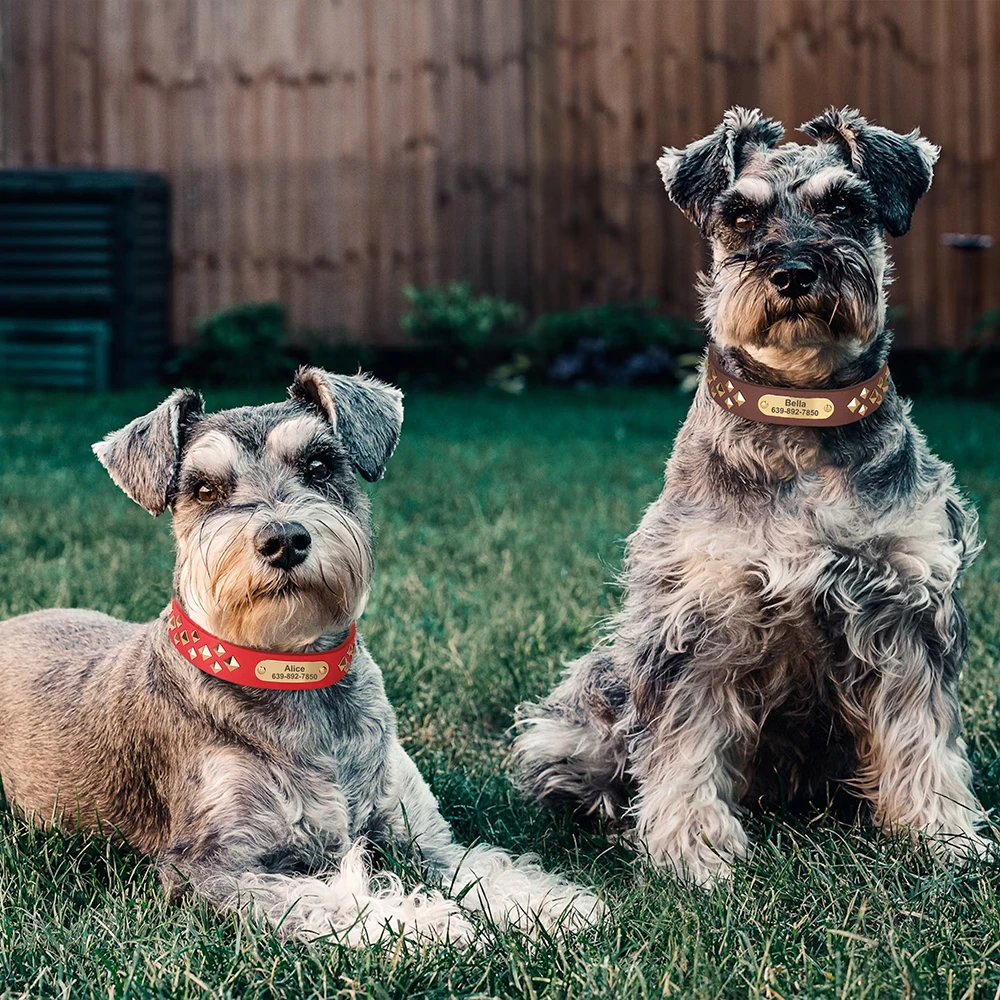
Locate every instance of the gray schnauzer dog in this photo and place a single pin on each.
(791, 616)
(258, 794)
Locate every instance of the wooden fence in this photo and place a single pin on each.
(328, 152)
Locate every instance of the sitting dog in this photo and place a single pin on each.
(244, 739)
(791, 615)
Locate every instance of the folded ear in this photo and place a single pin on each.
(144, 455)
(898, 168)
(696, 176)
(366, 413)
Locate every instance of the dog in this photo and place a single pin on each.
(243, 739)
(790, 620)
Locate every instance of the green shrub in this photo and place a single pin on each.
(241, 345)
(470, 332)
(625, 328)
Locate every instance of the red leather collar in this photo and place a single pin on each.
(259, 668)
(794, 407)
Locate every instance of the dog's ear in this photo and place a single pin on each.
(366, 413)
(898, 168)
(143, 456)
(696, 176)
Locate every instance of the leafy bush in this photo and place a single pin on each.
(614, 343)
(244, 344)
(470, 332)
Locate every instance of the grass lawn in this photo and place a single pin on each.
(500, 529)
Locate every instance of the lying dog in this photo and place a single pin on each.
(252, 777)
(791, 615)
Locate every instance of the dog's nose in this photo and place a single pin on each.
(794, 279)
(283, 545)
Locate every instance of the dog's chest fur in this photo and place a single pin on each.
(736, 567)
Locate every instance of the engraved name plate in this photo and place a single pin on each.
(798, 407)
(282, 672)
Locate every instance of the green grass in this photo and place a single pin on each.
(501, 524)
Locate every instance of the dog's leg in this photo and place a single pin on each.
(684, 809)
(348, 905)
(909, 631)
(566, 751)
(246, 844)
(508, 890)
(913, 762)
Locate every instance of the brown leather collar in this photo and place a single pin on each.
(794, 407)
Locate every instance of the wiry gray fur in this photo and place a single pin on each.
(791, 613)
(258, 800)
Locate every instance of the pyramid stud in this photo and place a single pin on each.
(853, 404)
(193, 653)
(740, 398)
(216, 667)
(729, 385)
(184, 637)
(233, 663)
(177, 640)
(206, 653)
(864, 393)
(729, 402)
(220, 650)
(194, 635)
(863, 410)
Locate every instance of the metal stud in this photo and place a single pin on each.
(863, 410)
(220, 650)
(729, 402)
(206, 653)
(853, 404)
(184, 637)
(193, 653)
(232, 663)
(740, 398)
(729, 385)
(864, 392)
(216, 667)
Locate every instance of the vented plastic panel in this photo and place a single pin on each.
(80, 246)
(69, 354)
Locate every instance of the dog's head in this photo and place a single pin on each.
(798, 232)
(274, 543)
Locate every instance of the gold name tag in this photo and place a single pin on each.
(280, 672)
(804, 408)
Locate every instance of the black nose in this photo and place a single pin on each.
(794, 279)
(283, 545)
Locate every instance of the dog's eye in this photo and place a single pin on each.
(744, 222)
(317, 469)
(839, 211)
(207, 493)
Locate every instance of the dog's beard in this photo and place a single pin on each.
(227, 588)
(744, 309)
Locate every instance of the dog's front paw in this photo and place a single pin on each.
(520, 893)
(699, 852)
(351, 907)
(961, 848)
(552, 904)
